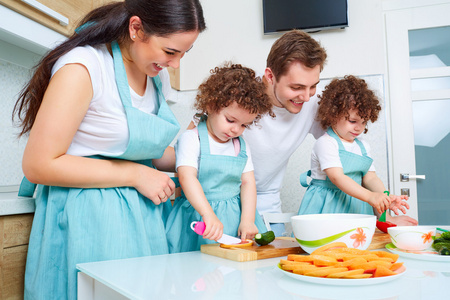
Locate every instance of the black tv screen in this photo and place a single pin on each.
(307, 15)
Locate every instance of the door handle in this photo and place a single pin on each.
(406, 177)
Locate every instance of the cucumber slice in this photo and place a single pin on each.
(264, 238)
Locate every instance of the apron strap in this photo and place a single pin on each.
(203, 135)
(304, 178)
(361, 146)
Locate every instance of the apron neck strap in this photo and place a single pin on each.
(122, 80)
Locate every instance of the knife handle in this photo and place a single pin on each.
(198, 227)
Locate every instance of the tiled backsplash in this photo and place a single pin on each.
(12, 79)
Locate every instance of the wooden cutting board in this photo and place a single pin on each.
(281, 246)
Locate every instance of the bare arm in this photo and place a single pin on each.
(379, 201)
(178, 190)
(45, 160)
(167, 162)
(194, 193)
(247, 228)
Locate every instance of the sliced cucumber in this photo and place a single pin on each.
(264, 238)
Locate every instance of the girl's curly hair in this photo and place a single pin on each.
(233, 83)
(342, 95)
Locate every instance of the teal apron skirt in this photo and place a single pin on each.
(322, 196)
(220, 178)
(75, 225)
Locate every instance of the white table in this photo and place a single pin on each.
(195, 275)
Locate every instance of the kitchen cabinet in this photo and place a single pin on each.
(15, 232)
(174, 78)
(71, 10)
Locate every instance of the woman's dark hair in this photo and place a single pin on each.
(105, 25)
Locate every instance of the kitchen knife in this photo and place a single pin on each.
(199, 228)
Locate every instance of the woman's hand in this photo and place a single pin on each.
(214, 228)
(401, 220)
(247, 230)
(154, 184)
(379, 201)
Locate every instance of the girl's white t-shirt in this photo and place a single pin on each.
(325, 155)
(187, 150)
(104, 129)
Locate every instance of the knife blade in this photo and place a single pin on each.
(199, 228)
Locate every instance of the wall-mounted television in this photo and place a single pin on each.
(307, 15)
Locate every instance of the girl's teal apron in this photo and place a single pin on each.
(322, 196)
(220, 177)
(74, 225)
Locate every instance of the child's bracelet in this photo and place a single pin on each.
(386, 192)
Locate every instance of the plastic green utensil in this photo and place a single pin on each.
(382, 218)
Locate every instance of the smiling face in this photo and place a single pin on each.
(228, 123)
(153, 54)
(149, 54)
(294, 88)
(348, 128)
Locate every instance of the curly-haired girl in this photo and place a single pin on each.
(342, 172)
(214, 163)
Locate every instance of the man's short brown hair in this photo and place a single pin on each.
(295, 46)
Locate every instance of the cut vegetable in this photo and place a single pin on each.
(243, 244)
(264, 238)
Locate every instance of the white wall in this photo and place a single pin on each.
(235, 32)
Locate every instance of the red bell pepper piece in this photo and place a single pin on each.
(383, 226)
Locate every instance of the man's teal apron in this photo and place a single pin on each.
(322, 196)
(220, 177)
(74, 225)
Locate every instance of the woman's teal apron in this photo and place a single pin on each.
(74, 225)
(220, 177)
(322, 196)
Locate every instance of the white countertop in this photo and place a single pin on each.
(194, 275)
(12, 204)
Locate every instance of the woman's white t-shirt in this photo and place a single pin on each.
(325, 155)
(104, 129)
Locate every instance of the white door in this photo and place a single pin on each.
(418, 60)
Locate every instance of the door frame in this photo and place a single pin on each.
(399, 18)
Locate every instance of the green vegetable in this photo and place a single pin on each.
(445, 235)
(444, 251)
(264, 238)
(439, 240)
(440, 244)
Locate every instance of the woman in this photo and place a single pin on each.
(99, 130)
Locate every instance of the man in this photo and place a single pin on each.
(291, 77)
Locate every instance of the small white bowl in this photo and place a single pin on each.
(316, 230)
(412, 237)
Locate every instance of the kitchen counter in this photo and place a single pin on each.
(195, 275)
(11, 204)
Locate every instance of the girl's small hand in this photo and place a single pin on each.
(154, 184)
(398, 202)
(214, 228)
(247, 230)
(379, 201)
